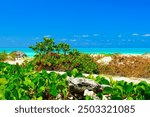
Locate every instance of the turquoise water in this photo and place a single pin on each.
(30, 53)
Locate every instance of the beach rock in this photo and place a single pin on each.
(19, 54)
(83, 86)
(105, 60)
(91, 94)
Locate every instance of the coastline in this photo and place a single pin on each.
(95, 51)
(21, 60)
(106, 59)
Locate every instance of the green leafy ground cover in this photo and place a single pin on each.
(30, 81)
(23, 83)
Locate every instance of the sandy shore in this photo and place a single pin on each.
(117, 78)
(18, 61)
(106, 60)
(15, 62)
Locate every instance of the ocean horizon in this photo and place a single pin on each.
(31, 53)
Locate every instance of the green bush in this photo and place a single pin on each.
(48, 57)
(3, 56)
(82, 62)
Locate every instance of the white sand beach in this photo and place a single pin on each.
(105, 60)
(14, 62)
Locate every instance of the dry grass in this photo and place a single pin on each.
(128, 66)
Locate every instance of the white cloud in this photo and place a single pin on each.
(135, 34)
(63, 39)
(96, 35)
(47, 36)
(73, 40)
(146, 35)
(36, 38)
(120, 36)
(85, 36)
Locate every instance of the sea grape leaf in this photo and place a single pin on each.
(138, 89)
(15, 94)
(121, 83)
(107, 90)
(25, 97)
(41, 89)
(104, 81)
(129, 88)
(143, 83)
(10, 87)
(53, 76)
(8, 95)
(116, 98)
(63, 76)
(53, 90)
(41, 82)
(3, 81)
(130, 98)
(74, 72)
(118, 88)
(69, 73)
(40, 98)
(100, 95)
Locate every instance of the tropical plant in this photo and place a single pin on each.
(45, 47)
(3, 56)
(58, 47)
(65, 48)
(74, 52)
(23, 83)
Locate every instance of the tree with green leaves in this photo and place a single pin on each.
(58, 47)
(45, 47)
(49, 44)
(74, 52)
(65, 48)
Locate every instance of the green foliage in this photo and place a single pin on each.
(18, 83)
(23, 83)
(120, 90)
(88, 98)
(65, 48)
(83, 63)
(48, 45)
(3, 56)
(102, 80)
(43, 47)
(47, 58)
(75, 73)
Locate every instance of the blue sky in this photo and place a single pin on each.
(81, 23)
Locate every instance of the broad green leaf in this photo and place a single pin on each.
(116, 98)
(3, 81)
(107, 90)
(130, 98)
(40, 98)
(41, 89)
(74, 72)
(104, 81)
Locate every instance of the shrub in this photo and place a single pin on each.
(3, 56)
(47, 58)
